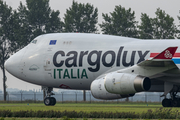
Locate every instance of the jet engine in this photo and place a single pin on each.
(119, 85)
(98, 91)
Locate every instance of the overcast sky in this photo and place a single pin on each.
(149, 7)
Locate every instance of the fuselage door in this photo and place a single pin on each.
(48, 67)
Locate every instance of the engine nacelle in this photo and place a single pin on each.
(119, 85)
(98, 91)
(125, 83)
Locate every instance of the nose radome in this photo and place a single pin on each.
(11, 65)
(6, 64)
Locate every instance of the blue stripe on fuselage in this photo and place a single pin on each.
(176, 60)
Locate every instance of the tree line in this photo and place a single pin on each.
(18, 27)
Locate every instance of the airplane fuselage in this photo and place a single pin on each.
(74, 60)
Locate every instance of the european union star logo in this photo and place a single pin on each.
(52, 42)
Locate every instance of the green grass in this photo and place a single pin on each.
(53, 119)
(86, 107)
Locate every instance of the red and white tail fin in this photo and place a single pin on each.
(167, 54)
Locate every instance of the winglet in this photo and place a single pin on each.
(166, 54)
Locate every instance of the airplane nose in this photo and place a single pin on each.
(6, 64)
(11, 65)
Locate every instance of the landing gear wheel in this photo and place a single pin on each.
(53, 101)
(166, 103)
(47, 101)
(175, 103)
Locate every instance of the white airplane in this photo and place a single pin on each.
(112, 67)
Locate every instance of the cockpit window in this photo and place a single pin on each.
(34, 41)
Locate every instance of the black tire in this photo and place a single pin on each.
(53, 101)
(47, 101)
(166, 103)
(175, 103)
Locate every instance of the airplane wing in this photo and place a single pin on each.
(153, 66)
(135, 78)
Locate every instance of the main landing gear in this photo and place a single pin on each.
(48, 100)
(174, 101)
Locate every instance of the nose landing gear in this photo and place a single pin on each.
(48, 100)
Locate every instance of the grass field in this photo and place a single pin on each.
(86, 107)
(53, 119)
